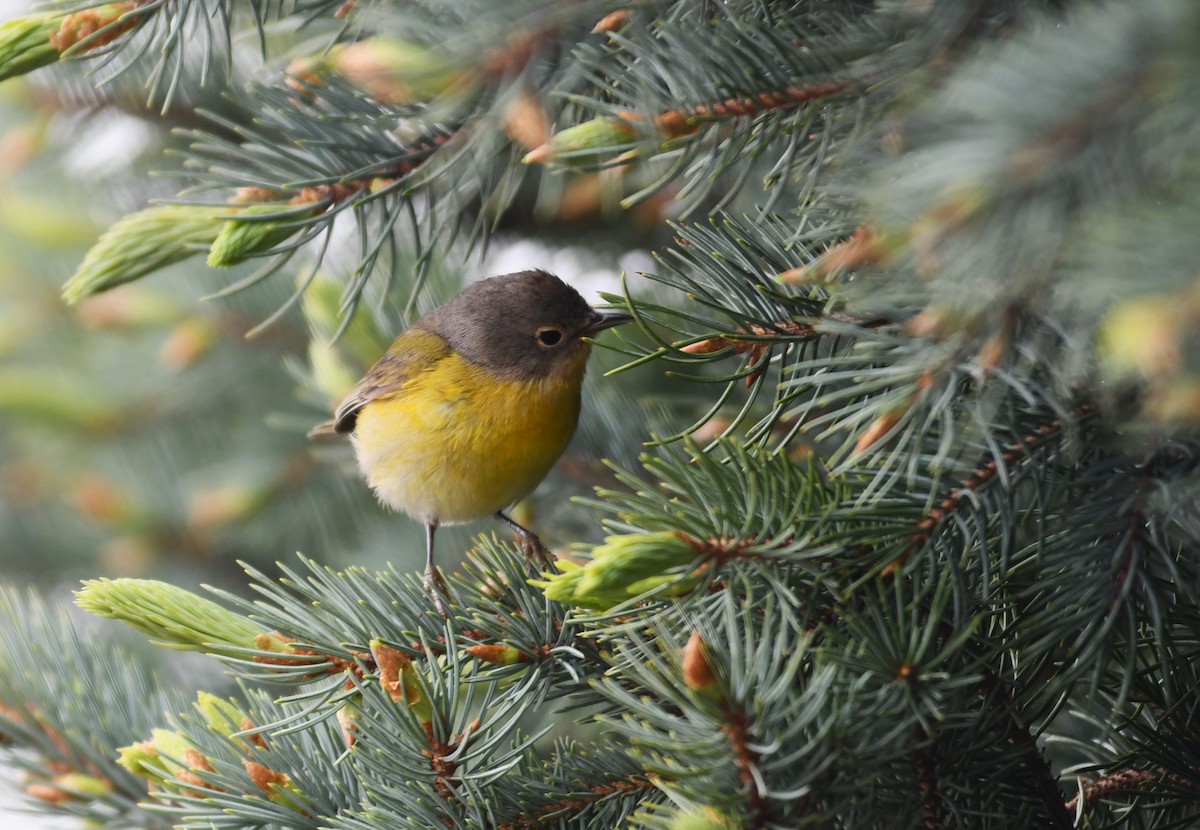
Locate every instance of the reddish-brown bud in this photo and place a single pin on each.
(708, 346)
(880, 428)
(266, 778)
(697, 670)
(612, 22)
(390, 662)
(84, 24)
(501, 655)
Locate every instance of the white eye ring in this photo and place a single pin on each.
(549, 336)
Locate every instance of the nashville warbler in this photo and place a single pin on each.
(470, 408)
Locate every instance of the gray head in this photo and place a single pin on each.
(524, 326)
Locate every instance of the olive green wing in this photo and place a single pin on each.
(413, 352)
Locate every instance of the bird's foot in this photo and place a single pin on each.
(535, 552)
(438, 590)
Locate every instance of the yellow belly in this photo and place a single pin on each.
(456, 445)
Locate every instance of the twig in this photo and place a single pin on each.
(930, 523)
(553, 814)
(931, 805)
(1044, 781)
(745, 759)
(680, 122)
(1124, 780)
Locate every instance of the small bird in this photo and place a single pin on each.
(469, 409)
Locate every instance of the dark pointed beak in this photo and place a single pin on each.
(602, 320)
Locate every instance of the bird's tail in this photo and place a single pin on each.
(322, 430)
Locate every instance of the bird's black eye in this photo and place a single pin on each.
(549, 336)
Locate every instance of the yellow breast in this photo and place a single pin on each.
(455, 444)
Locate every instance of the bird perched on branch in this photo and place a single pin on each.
(469, 409)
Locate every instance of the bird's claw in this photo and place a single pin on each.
(438, 590)
(535, 552)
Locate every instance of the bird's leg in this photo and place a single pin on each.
(435, 584)
(534, 550)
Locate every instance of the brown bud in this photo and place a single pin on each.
(390, 663)
(195, 760)
(255, 196)
(47, 793)
(257, 738)
(929, 323)
(98, 497)
(708, 346)
(613, 21)
(864, 246)
(697, 671)
(189, 341)
(525, 121)
(264, 777)
(501, 655)
(711, 430)
(992, 352)
(539, 155)
(193, 780)
(879, 428)
(12, 716)
(348, 723)
(676, 123)
(801, 275)
(896, 564)
(82, 25)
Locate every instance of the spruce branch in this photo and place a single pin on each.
(1133, 585)
(613, 142)
(261, 220)
(510, 623)
(926, 763)
(1147, 758)
(697, 519)
(215, 765)
(177, 618)
(460, 742)
(578, 785)
(25, 44)
(153, 38)
(1001, 470)
(552, 814)
(337, 137)
(763, 105)
(753, 105)
(1020, 736)
(1043, 158)
(67, 700)
(42, 39)
(1121, 781)
(732, 297)
(344, 629)
(96, 27)
(709, 720)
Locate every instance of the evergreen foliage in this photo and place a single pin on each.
(916, 538)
